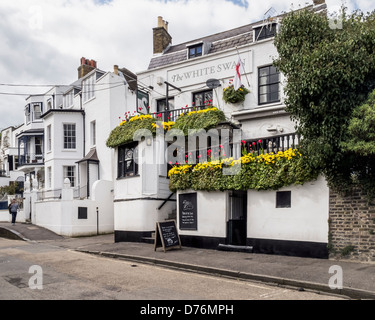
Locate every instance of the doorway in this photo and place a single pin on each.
(237, 218)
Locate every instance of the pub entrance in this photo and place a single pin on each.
(237, 218)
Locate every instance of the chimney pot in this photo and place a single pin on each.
(86, 67)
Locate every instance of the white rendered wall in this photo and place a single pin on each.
(140, 214)
(61, 216)
(306, 220)
(211, 214)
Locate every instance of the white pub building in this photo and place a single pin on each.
(193, 74)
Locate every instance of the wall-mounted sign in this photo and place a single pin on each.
(219, 68)
(187, 203)
(142, 101)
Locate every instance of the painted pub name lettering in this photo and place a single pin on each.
(205, 71)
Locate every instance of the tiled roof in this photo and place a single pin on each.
(219, 42)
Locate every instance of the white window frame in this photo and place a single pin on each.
(28, 113)
(37, 114)
(75, 137)
(49, 138)
(93, 132)
(49, 177)
(67, 174)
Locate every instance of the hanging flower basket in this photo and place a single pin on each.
(230, 95)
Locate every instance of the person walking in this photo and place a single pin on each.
(13, 209)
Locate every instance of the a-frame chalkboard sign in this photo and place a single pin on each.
(166, 235)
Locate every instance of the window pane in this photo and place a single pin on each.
(273, 70)
(69, 136)
(274, 78)
(263, 90)
(263, 72)
(274, 88)
(263, 98)
(268, 84)
(263, 80)
(274, 96)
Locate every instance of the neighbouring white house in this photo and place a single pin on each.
(68, 168)
(8, 169)
(9, 156)
(191, 76)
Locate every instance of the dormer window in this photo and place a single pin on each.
(27, 113)
(37, 111)
(265, 31)
(88, 88)
(68, 99)
(195, 50)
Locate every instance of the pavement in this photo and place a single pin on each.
(358, 278)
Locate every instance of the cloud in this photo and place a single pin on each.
(43, 41)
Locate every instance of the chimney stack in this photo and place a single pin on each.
(161, 37)
(318, 2)
(86, 67)
(115, 69)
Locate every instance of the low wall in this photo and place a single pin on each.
(6, 217)
(73, 217)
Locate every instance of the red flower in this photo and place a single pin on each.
(254, 143)
(260, 141)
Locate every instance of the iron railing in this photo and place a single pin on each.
(55, 194)
(173, 114)
(31, 158)
(255, 146)
(271, 144)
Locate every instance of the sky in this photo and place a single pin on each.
(43, 41)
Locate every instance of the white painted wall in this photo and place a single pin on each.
(211, 214)
(306, 220)
(140, 214)
(191, 76)
(61, 216)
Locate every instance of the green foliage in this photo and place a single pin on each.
(201, 119)
(330, 72)
(8, 190)
(230, 95)
(257, 174)
(124, 133)
(347, 250)
(361, 129)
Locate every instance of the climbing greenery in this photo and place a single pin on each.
(259, 172)
(330, 73)
(199, 119)
(124, 133)
(190, 120)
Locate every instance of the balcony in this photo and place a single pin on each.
(173, 114)
(31, 159)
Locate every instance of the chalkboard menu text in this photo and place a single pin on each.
(188, 211)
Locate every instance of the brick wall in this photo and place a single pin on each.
(351, 226)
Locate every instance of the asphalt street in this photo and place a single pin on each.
(68, 274)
